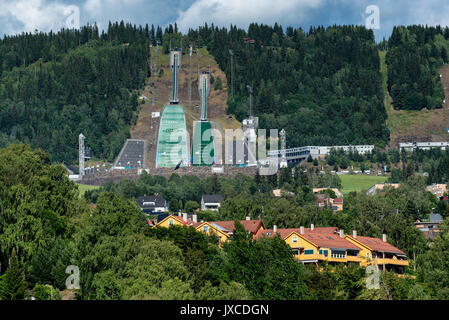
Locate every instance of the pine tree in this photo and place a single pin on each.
(13, 286)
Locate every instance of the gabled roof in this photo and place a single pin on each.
(212, 198)
(376, 244)
(251, 226)
(158, 200)
(325, 237)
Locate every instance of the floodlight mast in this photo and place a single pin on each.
(81, 138)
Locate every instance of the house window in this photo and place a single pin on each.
(295, 239)
(367, 256)
(170, 222)
(310, 251)
(205, 228)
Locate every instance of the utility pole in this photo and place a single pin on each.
(190, 77)
(250, 91)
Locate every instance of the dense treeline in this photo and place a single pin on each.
(413, 57)
(326, 80)
(55, 86)
(45, 227)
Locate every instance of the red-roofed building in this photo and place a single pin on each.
(223, 229)
(316, 245)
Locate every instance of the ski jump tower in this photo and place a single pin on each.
(203, 141)
(173, 143)
(175, 65)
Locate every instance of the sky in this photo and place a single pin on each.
(17, 16)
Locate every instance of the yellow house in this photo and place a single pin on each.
(222, 229)
(315, 245)
(379, 252)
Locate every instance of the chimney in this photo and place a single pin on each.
(275, 228)
(354, 233)
(184, 216)
(301, 230)
(342, 233)
(248, 218)
(195, 218)
(179, 214)
(312, 227)
(384, 237)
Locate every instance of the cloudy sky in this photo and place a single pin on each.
(17, 16)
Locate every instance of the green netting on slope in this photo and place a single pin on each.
(172, 138)
(202, 144)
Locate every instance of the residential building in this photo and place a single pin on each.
(324, 200)
(431, 226)
(438, 190)
(211, 201)
(318, 245)
(378, 252)
(222, 229)
(279, 193)
(335, 190)
(380, 187)
(152, 204)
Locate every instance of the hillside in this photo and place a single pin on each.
(416, 125)
(161, 88)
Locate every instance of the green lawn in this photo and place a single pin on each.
(359, 182)
(83, 188)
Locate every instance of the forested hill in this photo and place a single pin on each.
(323, 87)
(55, 86)
(414, 54)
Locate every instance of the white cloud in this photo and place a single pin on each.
(29, 15)
(241, 13)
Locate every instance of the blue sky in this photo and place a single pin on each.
(17, 16)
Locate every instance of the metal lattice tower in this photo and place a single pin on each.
(283, 163)
(81, 138)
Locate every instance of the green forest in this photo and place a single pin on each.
(55, 86)
(327, 80)
(413, 57)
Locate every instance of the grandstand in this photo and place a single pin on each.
(132, 155)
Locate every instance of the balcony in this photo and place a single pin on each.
(397, 262)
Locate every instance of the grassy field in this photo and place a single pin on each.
(359, 182)
(83, 188)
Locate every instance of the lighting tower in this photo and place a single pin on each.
(283, 163)
(81, 138)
